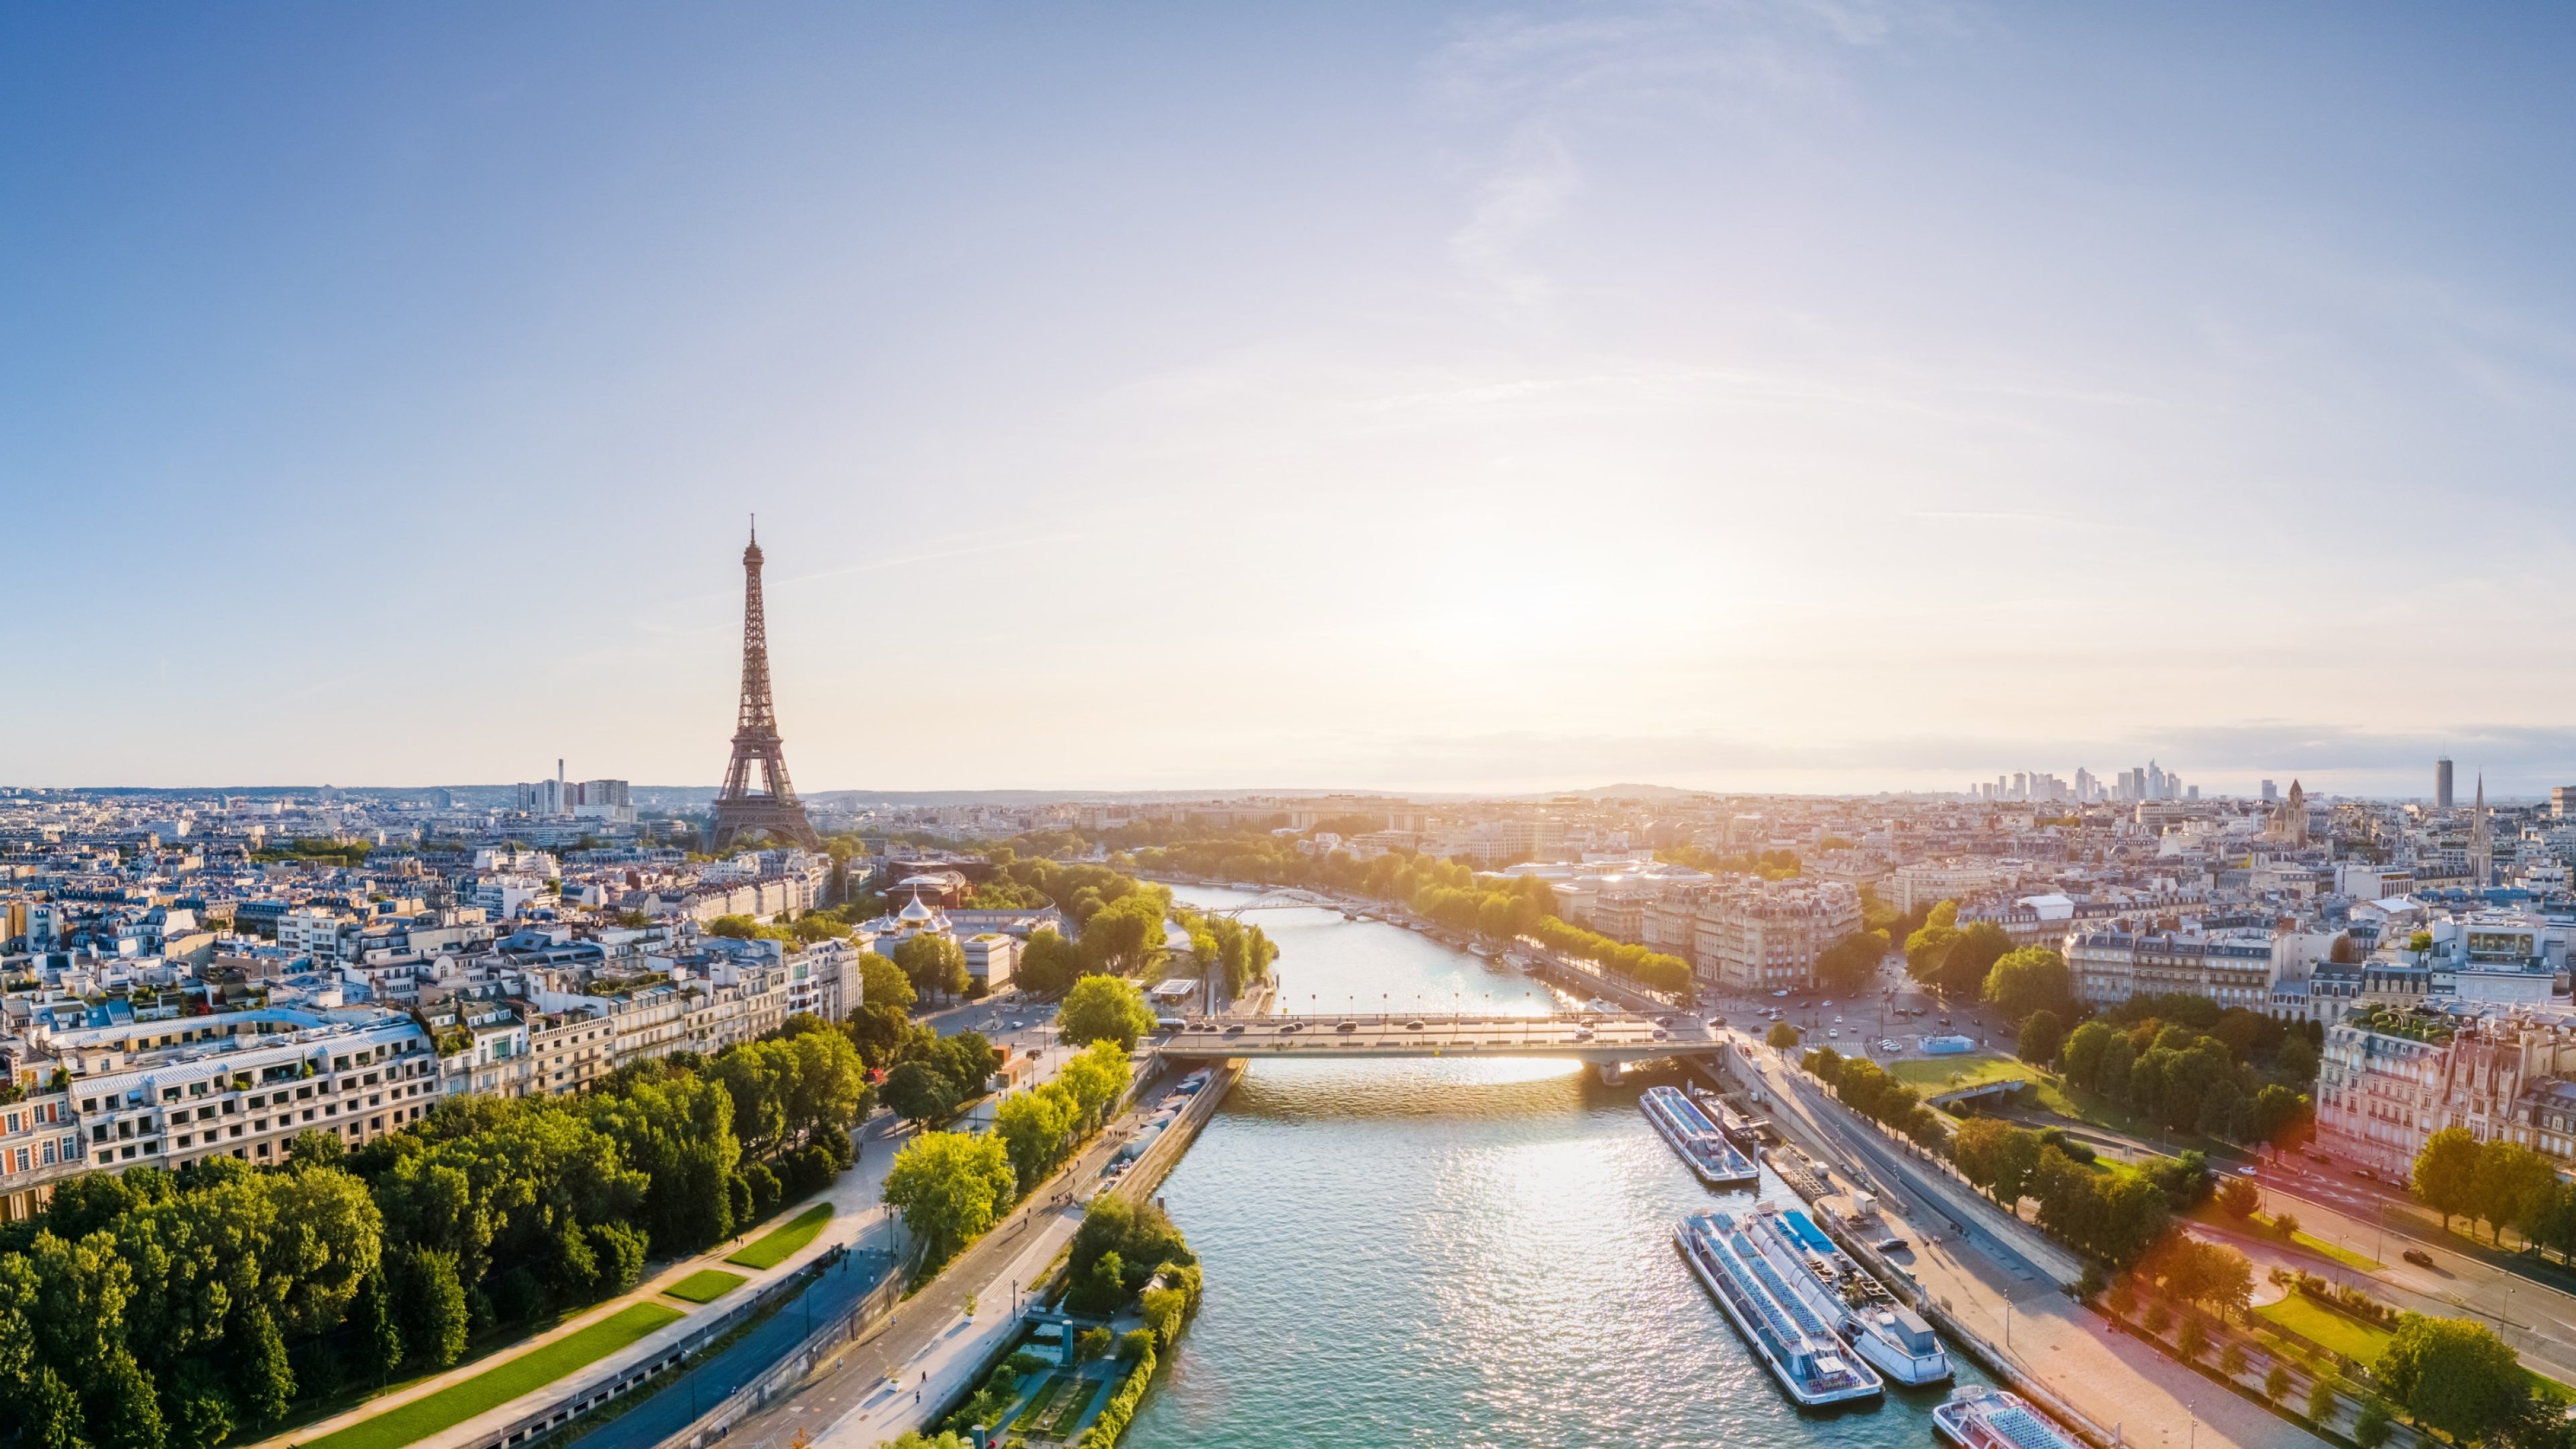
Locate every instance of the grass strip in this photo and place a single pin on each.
(706, 1285)
(2354, 1339)
(500, 1384)
(774, 1247)
(1042, 1401)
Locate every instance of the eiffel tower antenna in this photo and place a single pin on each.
(741, 811)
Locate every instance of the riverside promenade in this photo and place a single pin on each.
(2000, 1280)
(853, 1198)
(904, 1375)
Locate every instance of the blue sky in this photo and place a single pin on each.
(1797, 396)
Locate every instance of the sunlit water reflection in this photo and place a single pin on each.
(1454, 1253)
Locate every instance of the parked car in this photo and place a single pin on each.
(1890, 1244)
(1346, 1026)
(1414, 1025)
(2418, 1257)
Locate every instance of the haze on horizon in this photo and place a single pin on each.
(1801, 396)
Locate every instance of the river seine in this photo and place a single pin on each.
(1453, 1253)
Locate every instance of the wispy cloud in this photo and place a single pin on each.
(1546, 81)
(1524, 195)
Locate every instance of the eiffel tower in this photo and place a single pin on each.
(741, 812)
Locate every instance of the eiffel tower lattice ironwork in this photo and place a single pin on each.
(742, 812)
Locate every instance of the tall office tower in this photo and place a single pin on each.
(2481, 839)
(2269, 793)
(2562, 801)
(2442, 783)
(2084, 783)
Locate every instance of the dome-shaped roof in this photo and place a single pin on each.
(913, 910)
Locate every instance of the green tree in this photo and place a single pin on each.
(377, 1340)
(883, 983)
(1125, 936)
(918, 1092)
(2031, 978)
(2118, 1064)
(200, 1407)
(2372, 1427)
(1036, 1127)
(2231, 1360)
(1096, 1080)
(950, 1187)
(1102, 1291)
(676, 1127)
(1104, 1008)
(933, 963)
(2081, 1057)
(1783, 1036)
(2446, 1175)
(2509, 1185)
(2042, 1036)
(1848, 965)
(2321, 1394)
(1964, 965)
(2452, 1374)
(1048, 964)
(2277, 1115)
(266, 1380)
(432, 1299)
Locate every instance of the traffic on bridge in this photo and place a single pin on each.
(1606, 1038)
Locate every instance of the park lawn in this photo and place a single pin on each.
(1931, 1075)
(500, 1384)
(2350, 1337)
(774, 1247)
(706, 1285)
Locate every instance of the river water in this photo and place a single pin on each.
(1431, 1252)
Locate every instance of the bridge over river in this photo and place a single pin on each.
(1609, 1040)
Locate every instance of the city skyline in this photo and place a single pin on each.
(1445, 398)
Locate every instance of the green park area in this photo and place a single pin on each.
(1933, 1075)
(500, 1384)
(2326, 1328)
(706, 1285)
(777, 1245)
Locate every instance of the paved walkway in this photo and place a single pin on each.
(2000, 1278)
(853, 1198)
(932, 1351)
(859, 1221)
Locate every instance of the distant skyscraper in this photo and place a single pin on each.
(2270, 793)
(2481, 839)
(2442, 783)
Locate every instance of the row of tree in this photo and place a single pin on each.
(1234, 954)
(150, 1308)
(952, 1186)
(2501, 1184)
(1866, 1088)
(2180, 1078)
(1448, 892)
(1654, 970)
(2118, 1215)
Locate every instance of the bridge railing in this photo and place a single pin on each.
(1427, 1018)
